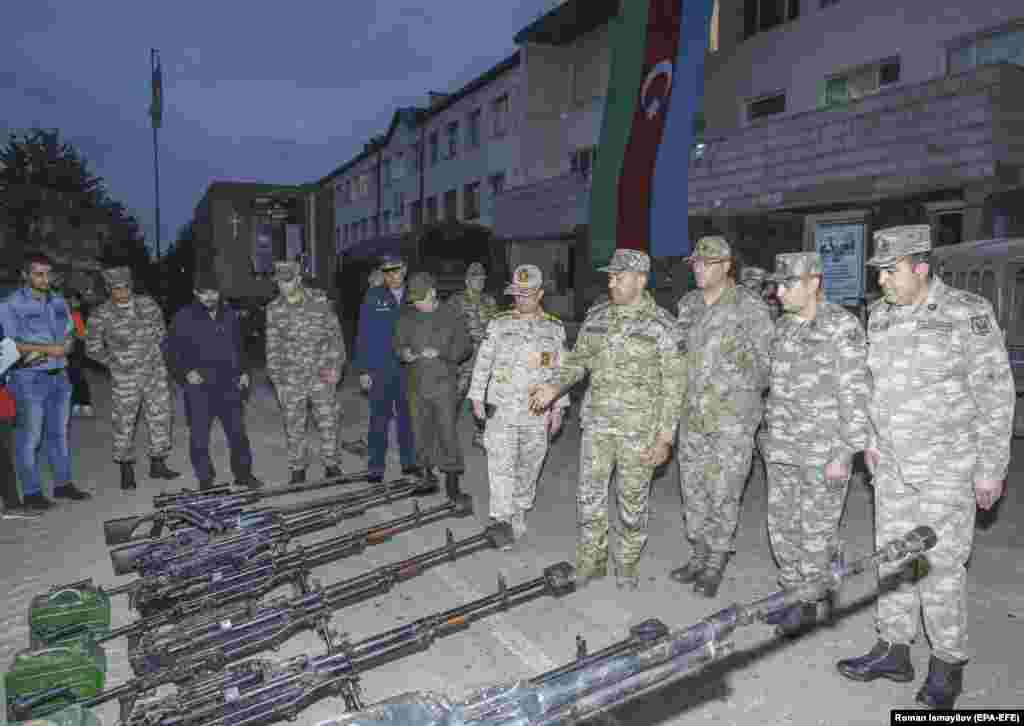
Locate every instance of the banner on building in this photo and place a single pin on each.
(263, 247)
(639, 196)
(841, 246)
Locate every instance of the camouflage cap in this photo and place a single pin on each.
(753, 275)
(391, 262)
(712, 247)
(625, 260)
(117, 277)
(525, 280)
(893, 243)
(420, 286)
(475, 270)
(286, 271)
(791, 265)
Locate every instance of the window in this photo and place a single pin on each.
(497, 183)
(471, 200)
(473, 130)
(1006, 46)
(581, 161)
(451, 205)
(434, 148)
(837, 91)
(417, 214)
(988, 289)
(431, 210)
(453, 140)
(761, 15)
(500, 109)
(387, 173)
(765, 107)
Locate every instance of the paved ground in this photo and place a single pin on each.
(763, 682)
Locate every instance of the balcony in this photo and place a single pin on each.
(947, 133)
(548, 208)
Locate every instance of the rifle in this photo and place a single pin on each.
(179, 554)
(184, 496)
(218, 514)
(648, 659)
(260, 691)
(211, 642)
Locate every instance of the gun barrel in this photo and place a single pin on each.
(185, 495)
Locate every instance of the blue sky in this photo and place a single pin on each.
(280, 93)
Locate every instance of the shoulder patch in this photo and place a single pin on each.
(980, 325)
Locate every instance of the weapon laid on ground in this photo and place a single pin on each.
(225, 512)
(228, 636)
(185, 496)
(260, 692)
(180, 553)
(651, 657)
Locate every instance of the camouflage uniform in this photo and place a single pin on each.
(302, 339)
(126, 339)
(816, 413)
(476, 308)
(727, 348)
(942, 409)
(637, 383)
(753, 278)
(516, 353)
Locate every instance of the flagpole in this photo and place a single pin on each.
(156, 173)
(156, 112)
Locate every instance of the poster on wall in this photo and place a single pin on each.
(263, 247)
(841, 246)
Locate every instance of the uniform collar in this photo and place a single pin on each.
(642, 306)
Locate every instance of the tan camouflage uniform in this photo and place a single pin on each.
(302, 339)
(515, 354)
(942, 409)
(126, 339)
(727, 348)
(637, 383)
(816, 413)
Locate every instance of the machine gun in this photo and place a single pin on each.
(650, 658)
(192, 549)
(210, 643)
(186, 496)
(261, 692)
(220, 513)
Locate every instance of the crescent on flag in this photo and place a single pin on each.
(653, 105)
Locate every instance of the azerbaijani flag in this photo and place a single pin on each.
(639, 198)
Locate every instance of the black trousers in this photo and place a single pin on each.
(8, 476)
(81, 395)
(206, 403)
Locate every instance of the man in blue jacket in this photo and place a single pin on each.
(381, 373)
(205, 354)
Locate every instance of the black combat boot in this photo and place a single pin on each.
(333, 472)
(451, 484)
(70, 491)
(206, 484)
(412, 471)
(886, 660)
(158, 469)
(248, 481)
(943, 686)
(298, 476)
(127, 475)
(710, 578)
(691, 570)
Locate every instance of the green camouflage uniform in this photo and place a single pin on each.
(942, 409)
(516, 353)
(126, 339)
(302, 339)
(816, 413)
(637, 383)
(727, 347)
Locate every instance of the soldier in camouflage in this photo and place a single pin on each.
(728, 334)
(942, 409)
(521, 348)
(305, 355)
(633, 351)
(816, 419)
(475, 307)
(124, 335)
(753, 279)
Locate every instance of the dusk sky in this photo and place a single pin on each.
(278, 93)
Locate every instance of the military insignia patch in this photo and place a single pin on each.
(545, 359)
(980, 325)
(524, 277)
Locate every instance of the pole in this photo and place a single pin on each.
(156, 114)
(156, 173)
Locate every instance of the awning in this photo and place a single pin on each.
(568, 21)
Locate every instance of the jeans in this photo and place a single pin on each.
(44, 406)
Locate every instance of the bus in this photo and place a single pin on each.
(994, 269)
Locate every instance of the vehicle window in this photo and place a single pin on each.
(988, 289)
(975, 283)
(1018, 304)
